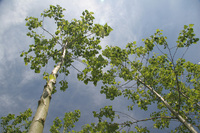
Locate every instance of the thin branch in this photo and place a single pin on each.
(179, 117)
(161, 51)
(125, 83)
(126, 115)
(51, 35)
(147, 60)
(129, 123)
(175, 52)
(172, 47)
(188, 98)
(185, 52)
(177, 81)
(76, 68)
(79, 60)
(159, 117)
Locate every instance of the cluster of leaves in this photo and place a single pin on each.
(139, 67)
(68, 122)
(18, 124)
(80, 38)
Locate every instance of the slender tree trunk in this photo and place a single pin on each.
(179, 117)
(37, 124)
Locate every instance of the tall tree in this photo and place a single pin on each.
(137, 73)
(71, 40)
(147, 78)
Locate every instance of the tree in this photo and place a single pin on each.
(147, 78)
(72, 40)
(169, 83)
(12, 124)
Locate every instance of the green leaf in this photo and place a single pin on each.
(57, 124)
(57, 32)
(37, 71)
(22, 54)
(191, 25)
(64, 85)
(185, 26)
(51, 77)
(45, 77)
(18, 124)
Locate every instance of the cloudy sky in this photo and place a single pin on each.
(131, 20)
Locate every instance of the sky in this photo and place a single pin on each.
(131, 20)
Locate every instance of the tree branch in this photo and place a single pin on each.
(179, 117)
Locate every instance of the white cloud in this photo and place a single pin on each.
(6, 101)
(13, 13)
(29, 76)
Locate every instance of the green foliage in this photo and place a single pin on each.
(110, 92)
(93, 63)
(57, 124)
(18, 124)
(70, 118)
(80, 38)
(176, 80)
(46, 76)
(186, 37)
(68, 122)
(107, 111)
(141, 129)
(64, 85)
(51, 76)
(129, 72)
(101, 127)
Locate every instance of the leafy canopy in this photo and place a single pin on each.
(80, 38)
(135, 72)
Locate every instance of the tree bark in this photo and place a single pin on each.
(179, 117)
(39, 119)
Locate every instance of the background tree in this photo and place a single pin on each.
(18, 124)
(146, 78)
(71, 40)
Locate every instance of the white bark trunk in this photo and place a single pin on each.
(179, 117)
(37, 124)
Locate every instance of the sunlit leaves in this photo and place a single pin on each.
(69, 120)
(67, 123)
(33, 23)
(51, 76)
(64, 85)
(18, 124)
(55, 11)
(110, 92)
(176, 80)
(57, 124)
(107, 111)
(141, 129)
(46, 76)
(163, 120)
(187, 37)
(100, 127)
(80, 37)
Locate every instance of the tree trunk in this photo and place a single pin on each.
(37, 124)
(179, 117)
